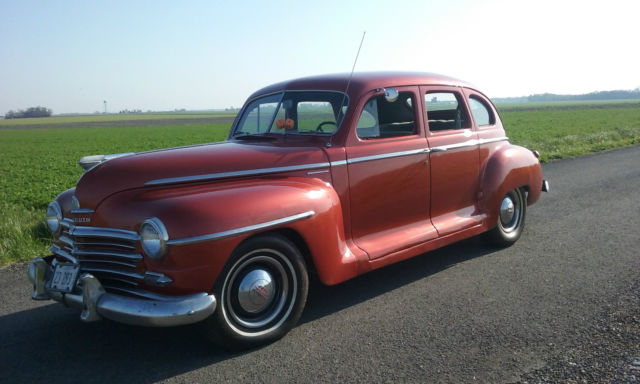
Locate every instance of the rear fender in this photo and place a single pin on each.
(508, 167)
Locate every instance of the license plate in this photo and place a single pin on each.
(64, 277)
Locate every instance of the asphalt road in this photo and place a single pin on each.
(465, 313)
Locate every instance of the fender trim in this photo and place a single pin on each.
(242, 230)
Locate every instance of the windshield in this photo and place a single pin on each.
(294, 112)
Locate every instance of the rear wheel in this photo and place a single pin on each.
(511, 215)
(261, 293)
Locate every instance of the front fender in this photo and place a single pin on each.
(207, 222)
(508, 167)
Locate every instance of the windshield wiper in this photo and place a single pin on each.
(254, 136)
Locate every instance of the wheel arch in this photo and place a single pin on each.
(295, 238)
(508, 167)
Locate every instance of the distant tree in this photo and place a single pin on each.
(30, 112)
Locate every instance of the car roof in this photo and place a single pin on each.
(361, 82)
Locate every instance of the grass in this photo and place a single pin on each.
(564, 105)
(559, 133)
(37, 164)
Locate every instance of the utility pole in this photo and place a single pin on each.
(105, 106)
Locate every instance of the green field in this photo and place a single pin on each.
(37, 163)
(570, 129)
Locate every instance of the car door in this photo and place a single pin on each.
(389, 175)
(454, 159)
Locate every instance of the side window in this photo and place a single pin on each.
(380, 118)
(481, 112)
(445, 111)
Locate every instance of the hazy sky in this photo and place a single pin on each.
(157, 55)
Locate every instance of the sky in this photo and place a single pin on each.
(71, 56)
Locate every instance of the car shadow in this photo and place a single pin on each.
(324, 300)
(49, 343)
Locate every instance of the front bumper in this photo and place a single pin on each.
(96, 303)
(545, 186)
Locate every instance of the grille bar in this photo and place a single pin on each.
(107, 261)
(113, 272)
(110, 254)
(117, 255)
(109, 233)
(56, 250)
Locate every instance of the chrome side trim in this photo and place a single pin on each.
(387, 155)
(493, 140)
(239, 231)
(380, 156)
(317, 172)
(304, 167)
(248, 172)
(468, 143)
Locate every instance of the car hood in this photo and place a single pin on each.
(202, 163)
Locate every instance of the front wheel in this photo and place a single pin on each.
(512, 211)
(261, 293)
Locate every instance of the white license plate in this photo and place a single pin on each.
(64, 277)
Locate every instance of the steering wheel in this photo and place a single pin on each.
(319, 127)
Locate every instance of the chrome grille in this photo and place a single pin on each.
(109, 254)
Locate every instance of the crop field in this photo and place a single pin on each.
(38, 157)
(97, 118)
(571, 129)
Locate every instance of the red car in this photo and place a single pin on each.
(331, 175)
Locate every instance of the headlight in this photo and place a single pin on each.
(154, 237)
(54, 217)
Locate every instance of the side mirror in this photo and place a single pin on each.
(391, 95)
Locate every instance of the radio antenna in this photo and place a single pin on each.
(351, 75)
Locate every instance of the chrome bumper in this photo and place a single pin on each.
(96, 303)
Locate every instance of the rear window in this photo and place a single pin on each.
(482, 114)
(445, 111)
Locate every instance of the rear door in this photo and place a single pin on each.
(454, 159)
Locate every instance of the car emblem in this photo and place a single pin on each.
(261, 291)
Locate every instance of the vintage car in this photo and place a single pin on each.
(327, 176)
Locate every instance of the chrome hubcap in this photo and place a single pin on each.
(256, 291)
(259, 292)
(507, 210)
(510, 209)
